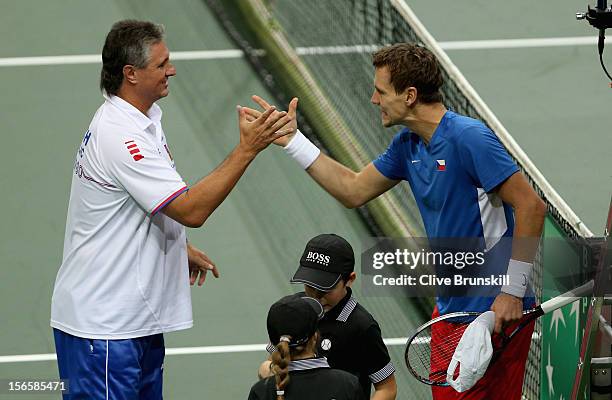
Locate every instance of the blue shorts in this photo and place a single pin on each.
(98, 369)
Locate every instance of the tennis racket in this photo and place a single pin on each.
(429, 365)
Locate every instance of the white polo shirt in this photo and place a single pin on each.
(124, 272)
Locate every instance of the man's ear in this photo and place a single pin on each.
(129, 74)
(410, 96)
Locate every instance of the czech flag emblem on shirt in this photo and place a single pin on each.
(441, 165)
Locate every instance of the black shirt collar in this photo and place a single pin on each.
(343, 309)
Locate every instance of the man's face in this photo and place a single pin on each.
(330, 298)
(153, 79)
(393, 106)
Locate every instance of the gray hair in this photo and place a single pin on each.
(128, 43)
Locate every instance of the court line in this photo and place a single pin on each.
(518, 43)
(314, 50)
(97, 58)
(240, 348)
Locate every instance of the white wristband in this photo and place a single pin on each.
(302, 150)
(518, 274)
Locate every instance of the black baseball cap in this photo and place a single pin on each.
(296, 316)
(325, 259)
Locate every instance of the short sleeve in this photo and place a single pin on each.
(484, 158)
(137, 165)
(392, 162)
(379, 365)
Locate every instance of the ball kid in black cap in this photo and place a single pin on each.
(296, 370)
(326, 260)
(327, 271)
(293, 318)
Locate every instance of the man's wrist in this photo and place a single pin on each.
(245, 152)
(518, 276)
(302, 150)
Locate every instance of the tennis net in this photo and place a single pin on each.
(320, 51)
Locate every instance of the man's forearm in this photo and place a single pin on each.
(529, 222)
(336, 179)
(198, 203)
(529, 213)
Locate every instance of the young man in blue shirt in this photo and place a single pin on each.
(463, 180)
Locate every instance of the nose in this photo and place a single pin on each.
(375, 99)
(171, 71)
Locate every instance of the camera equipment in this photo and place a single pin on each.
(600, 18)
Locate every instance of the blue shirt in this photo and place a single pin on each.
(452, 179)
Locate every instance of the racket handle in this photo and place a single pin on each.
(568, 297)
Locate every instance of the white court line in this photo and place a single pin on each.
(461, 45)
(27, 358)
(241, 348)
(518, 43)
(314, 50)
(97, 59)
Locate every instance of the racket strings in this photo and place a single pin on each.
(430, 362)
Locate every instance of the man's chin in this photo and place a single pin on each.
(164, 92)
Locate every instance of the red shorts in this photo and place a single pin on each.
(503, 379)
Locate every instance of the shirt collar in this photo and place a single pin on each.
(308, 363)
(343, 309)
(143, 121)
(439, 131)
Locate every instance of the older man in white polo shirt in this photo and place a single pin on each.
(126, 269)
